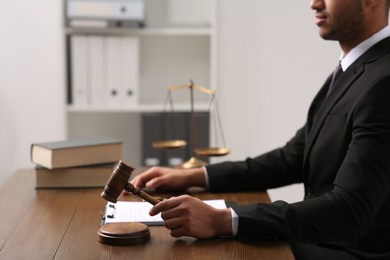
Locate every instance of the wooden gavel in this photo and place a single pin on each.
(119, 181)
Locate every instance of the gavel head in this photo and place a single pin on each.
(118, 181)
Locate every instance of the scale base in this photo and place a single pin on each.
(192, 163)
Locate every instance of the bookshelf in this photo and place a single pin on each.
(176, 44)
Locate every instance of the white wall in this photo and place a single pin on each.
(271, 60)
(271, 64)
(31, 79)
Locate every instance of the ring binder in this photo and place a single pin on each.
(111, 211)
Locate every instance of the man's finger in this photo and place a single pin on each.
(164, 205)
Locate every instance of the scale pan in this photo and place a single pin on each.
(212, 151)
(169, 144)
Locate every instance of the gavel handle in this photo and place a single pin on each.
(140, 193)
(147, 197)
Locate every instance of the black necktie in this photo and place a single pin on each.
(336, 74)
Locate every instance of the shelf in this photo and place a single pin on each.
(138, 109)
(104, 63)
(185, 31)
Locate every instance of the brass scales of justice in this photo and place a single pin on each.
(194, 162)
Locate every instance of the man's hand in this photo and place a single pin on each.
(170, 179)
(189, 216)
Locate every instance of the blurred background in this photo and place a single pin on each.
(269, 62)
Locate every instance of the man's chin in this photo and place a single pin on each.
(328, 36)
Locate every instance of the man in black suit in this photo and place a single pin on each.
(341, 154)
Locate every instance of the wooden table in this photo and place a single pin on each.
(62, 224)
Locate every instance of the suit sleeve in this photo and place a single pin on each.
(273, 169)
(357, 207)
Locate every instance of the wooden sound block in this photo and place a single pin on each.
(123, 234)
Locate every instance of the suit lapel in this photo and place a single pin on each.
(340, 88)
(317, 119)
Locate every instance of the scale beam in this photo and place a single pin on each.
(191, 85)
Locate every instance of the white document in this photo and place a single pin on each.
(105, 71)
(113, 71)
(129, 211)
(130, 66)
(79, 70)
(122, 72)
(97, 70)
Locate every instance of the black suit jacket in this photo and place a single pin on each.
(341, 154)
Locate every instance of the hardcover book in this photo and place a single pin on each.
(76, 152)
(74, 177)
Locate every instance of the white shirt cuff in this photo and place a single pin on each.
(206, 177)
(235, 219)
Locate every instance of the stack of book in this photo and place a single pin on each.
(76, 163)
